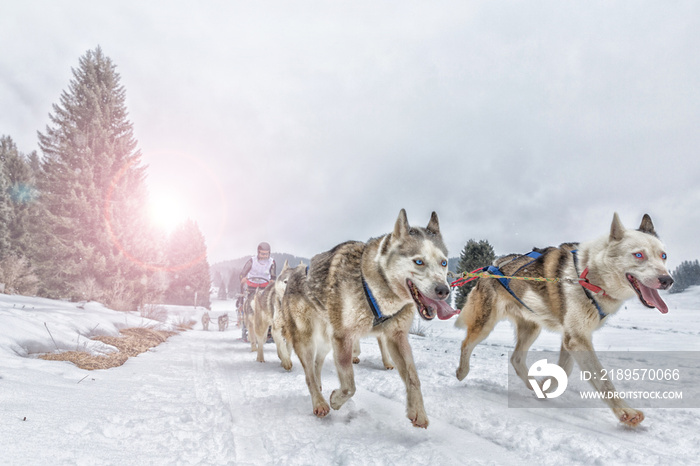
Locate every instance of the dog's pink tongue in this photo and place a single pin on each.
(444, 311)
(652, 297)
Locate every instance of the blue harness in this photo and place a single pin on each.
(493, 270)
(379, 318)
(505, 282)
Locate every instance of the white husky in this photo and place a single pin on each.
(605, 273)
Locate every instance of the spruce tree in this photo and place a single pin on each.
(220, 284)
(97, 240)
(5, 201)
(21, 194)
(18, 212)
(686, 274)
(187, 266)
(473, 256)
(234, 283)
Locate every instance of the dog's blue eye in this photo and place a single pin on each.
(663, 255)
(639, 255)
(444, 263)
(418, 262)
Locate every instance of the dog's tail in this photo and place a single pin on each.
(460, 322)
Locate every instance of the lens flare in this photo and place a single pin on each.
(167, 212)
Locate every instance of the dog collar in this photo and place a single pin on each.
(373, 305)
(589, 287)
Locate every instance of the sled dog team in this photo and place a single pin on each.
(374, 287)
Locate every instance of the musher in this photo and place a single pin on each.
(256, 273)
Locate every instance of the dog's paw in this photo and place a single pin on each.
(356, 360)
(462, 373)
(322, 409)
(630, 417)
(338, 399)
(260, 359)
(287, 365)
(335, 403)
(419, 420)
(389, 367)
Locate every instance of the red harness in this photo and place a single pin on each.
(583, 280)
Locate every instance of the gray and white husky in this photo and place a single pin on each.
(596, 278)
(267, 304)
(373, 288)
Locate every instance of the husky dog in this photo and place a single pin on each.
(283, 323)
(267, 304)
(205, 321)
(249, 319)
(284, 326)
(596, 278)
(223, 322)
(367, 288)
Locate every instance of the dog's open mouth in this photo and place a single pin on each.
(429, 308)
(648, 296)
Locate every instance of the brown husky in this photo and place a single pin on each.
(267, 304)
(596, 278)
(283, 338)
(367, 288)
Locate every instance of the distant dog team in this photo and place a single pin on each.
(375, 288)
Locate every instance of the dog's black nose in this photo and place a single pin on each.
(666, 281)
(442, 291)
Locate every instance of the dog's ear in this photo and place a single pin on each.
(617, 231)
(285, 266)
(401, 227)
(647, 226)
(433, 226)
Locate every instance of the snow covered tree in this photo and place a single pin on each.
(220, 284)
(97, 239)
(20, 194)
(687, 274)
(474, 255)
(17, 209)
(5, 202)
(188, 269)
(234, 284)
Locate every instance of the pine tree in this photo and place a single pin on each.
(686, 274)
(20, 193)
(234, 284)
(473, 256)
(97, 241)
(17, 202)
(6, 147)
(220, 284)
(188, 269)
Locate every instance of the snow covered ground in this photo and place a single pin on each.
(200, 398)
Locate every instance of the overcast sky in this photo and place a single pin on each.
(306, 124)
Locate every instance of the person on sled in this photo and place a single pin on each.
(256, 274)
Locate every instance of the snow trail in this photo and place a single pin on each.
(201, 398)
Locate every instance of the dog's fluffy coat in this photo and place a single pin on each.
(625, 263)
(328, 308)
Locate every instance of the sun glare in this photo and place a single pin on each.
(167, 211)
